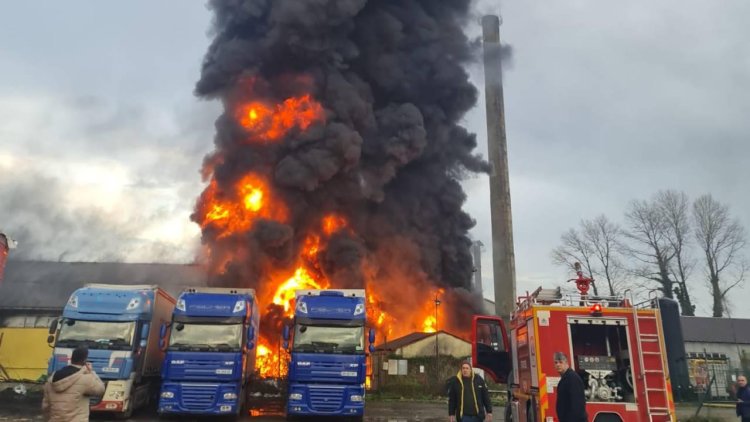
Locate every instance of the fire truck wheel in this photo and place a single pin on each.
(531, 410)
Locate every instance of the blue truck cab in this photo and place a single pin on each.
(210, 345)
(327, 370)
(120, 326)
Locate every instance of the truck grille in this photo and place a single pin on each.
(198, 397)
(326, 399)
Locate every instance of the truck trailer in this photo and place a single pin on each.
(210, 352)
(615, 346)
(119, 325)
(327, 369)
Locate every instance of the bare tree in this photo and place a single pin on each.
(605, 238)
(595, 245)
(650, 246)
(721, 239)
(575, 249)
(675, 209)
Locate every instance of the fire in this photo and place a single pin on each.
(286, 292)
(233, 212)
(430, 324)
(271, 123)
(333, 223)
(267, 362)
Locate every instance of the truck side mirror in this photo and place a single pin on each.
(50, 340)
(250, 333)
(371, 348)
(53, 327)
(285, 333)
(489, 347)
(372, 336)
(144, 330)
(163, 337)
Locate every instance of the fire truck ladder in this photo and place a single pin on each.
(651, 359)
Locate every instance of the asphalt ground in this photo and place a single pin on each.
(29, 409)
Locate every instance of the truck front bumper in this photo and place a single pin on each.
(199, 398)
(326, 400)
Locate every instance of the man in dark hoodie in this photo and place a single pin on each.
(743, 399)
(67, 392)
(571, 397)
(468, 398)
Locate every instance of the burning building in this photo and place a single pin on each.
(338, 158)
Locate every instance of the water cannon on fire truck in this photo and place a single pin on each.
(615, 345)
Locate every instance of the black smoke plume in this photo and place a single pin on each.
(391, 77)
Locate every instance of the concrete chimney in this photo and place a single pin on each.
(476, 252)
(503, 257)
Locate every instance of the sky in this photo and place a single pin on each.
(101, 137)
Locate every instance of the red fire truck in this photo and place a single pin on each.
(617, 348)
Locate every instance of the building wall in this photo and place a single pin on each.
(447, 346)
(732, 351)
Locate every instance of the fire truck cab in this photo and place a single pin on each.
(616, 347)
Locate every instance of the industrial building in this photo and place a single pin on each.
(717, 348)
(409, 362)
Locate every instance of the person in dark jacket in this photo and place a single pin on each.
(571, 398)
(743, 399)
(468, 398)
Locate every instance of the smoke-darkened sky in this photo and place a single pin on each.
(102, 140)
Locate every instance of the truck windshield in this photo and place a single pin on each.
(97, 334)
(328, 339)
(208, 337)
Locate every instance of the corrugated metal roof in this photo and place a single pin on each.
(44, 285)
(715, 330)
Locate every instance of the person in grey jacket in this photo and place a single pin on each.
(67, 392)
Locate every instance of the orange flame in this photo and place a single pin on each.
(267, 362)
(271, 123)
(333, 223)
(285, 293)
(232, 216)
(430, 324)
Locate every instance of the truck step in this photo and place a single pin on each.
(653, 371)
(651, 353)
(656, 389)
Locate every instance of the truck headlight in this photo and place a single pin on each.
(180, 305)
(239, 306)
(167, 395)
(230, 396)
(356, 398)
(73, 302)
(359, 309)
(295, 396)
